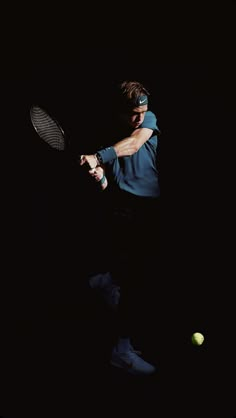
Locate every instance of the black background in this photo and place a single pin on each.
(52, 322)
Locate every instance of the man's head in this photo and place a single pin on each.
(133, 102)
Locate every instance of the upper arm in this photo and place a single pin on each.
(141, 135)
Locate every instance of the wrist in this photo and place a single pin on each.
(98, 159)
(102, 180)
(105, 155)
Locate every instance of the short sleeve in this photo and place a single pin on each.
(150, 121)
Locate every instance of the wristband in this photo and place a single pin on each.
(103, 179)
(98, 158)
(106, 154)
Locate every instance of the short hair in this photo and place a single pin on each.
(129, 92)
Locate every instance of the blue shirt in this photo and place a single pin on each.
(137, 174)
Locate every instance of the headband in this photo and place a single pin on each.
(141, 101)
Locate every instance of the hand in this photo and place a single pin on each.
(90, 160)
(97, 173)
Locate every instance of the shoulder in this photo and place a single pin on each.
(150, 121)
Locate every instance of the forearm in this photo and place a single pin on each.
(128, 146)
(124, 148)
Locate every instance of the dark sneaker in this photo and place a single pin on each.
(131, 362)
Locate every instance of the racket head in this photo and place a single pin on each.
(48, 128)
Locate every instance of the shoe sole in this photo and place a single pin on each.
(130, 370)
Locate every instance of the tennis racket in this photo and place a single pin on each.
(48, 128)
(51, 132)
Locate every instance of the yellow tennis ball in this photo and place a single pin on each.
(197, 338)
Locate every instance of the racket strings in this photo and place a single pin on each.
(47, 128)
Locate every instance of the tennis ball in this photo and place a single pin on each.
(197, 338)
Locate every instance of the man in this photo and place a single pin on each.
(127, 172)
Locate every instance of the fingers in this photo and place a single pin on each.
(82, 159)
(96, 173)
(89, 160)
(93, 171)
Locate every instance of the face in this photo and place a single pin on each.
(135, 116)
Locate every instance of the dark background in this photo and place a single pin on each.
(51, 320)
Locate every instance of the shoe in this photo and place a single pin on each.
(131, 362)
(104, 284)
